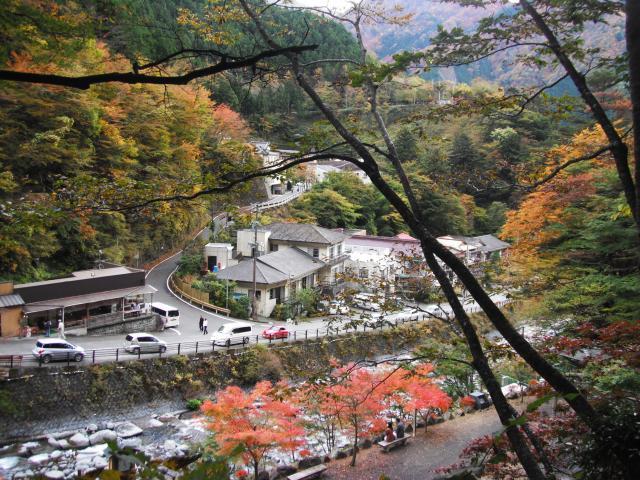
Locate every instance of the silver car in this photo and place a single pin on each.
(144, 343)
(48, 349)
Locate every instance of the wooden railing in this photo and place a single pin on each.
(187, 292)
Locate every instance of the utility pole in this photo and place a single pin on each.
(254, 302)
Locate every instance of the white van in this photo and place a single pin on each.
(231, 333)
(170, 315)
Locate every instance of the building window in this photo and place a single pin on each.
(339, 249)
(273, 247)
(304, 282)
(316, 253)
(331, 252)
(364, 273)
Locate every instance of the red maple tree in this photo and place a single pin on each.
(257, 421)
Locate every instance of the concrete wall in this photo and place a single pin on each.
(82, 391)
(146, 323)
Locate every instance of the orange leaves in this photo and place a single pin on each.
(253, 420)
(228, 123)
(541, 216)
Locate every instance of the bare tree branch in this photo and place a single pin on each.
(84, 82)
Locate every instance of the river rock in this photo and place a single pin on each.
(7, 463)
(154, 423)
(166, 417)
(102, 436)
(27, 449)
(53, 442)
(56, 454)
(91, 428)
(40, 459)
(135, 443)
(170, 445)
(54, 474)
(63, 444)
(99, 462)
(128, 429)
(79, 440)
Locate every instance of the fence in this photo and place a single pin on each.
(236, 343)
(239, 343)
(186, 292)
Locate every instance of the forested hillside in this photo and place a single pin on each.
(387, 39)
(60, 148)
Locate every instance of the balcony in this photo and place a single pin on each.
(335, 260)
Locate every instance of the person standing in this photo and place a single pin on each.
(201, 323)
(47, 327)
(61, 329)
(205, 324)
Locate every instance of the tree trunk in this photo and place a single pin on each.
(481, 364)
(633, 49)
(619, 150)
(355, 448)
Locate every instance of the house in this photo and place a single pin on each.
(323, 167)
(289, 256)
(399, 260)
(278, 275)
(390, 260)
(84, 300)
(276, 185)
(474, 250)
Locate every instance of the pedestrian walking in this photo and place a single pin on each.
(61, 329)
(205, 324)
(201, 323)
(47, 327)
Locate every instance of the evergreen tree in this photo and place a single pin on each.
(406, 145)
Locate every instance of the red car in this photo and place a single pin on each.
(275, 331)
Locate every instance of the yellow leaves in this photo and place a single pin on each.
(212, 25)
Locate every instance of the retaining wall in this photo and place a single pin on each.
(82, 391)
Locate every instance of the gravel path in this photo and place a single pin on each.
(422, 455)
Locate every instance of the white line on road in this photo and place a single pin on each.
(174, 330)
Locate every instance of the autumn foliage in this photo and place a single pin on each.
(254, 421)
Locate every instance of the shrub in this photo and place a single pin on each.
(240, 307)
(194, 404)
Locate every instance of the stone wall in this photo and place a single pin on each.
(34, 395)
(144, 323)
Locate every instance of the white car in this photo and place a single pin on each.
(138, 343)
(365, 302)
(232, 333)
(338, 308)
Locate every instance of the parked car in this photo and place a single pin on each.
(48, 349)
(169, 315)
(144, 343)
(365, 301)
(232, 333)
(483, 400)
(276, 331)
(338, 308)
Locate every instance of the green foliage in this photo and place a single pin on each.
(406, 145)
(305, 299)
(190, 263)
(240, 307)
(194, 404)
(217, 289)
(357, 205)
